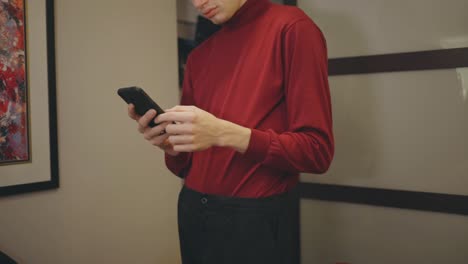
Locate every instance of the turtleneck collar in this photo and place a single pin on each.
(248, 11)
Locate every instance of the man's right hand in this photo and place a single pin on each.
(157, 135)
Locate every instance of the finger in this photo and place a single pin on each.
(145, 119)
(184, 148)
(182, 108)
(155, 131)
(181, 139)
(181, 128)
(142, 129)
(166, 144)
(176, 117)
(131, 112)
(159, 141)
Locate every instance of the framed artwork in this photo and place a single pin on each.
(28, 119)
(14, 128)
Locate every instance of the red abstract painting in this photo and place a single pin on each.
(14, 138)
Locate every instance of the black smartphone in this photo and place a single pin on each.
(142, 102)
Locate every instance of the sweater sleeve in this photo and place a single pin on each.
(307, 145)
(180, 164)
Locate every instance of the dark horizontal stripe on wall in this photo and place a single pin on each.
(410, 61)
(425, 201)
(290, 2)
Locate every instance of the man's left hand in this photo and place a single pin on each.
(191, 129)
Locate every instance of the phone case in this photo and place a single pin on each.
(142, 102)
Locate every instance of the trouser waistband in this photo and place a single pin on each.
(196, 198)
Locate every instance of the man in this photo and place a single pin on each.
(255, 112)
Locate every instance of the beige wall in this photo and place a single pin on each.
(403, 130)
(360, 234)
(117, 202)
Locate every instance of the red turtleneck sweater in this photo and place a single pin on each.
(266, 69)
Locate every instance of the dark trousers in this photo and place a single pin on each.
(228, 230)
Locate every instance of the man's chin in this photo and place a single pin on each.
(218, 20)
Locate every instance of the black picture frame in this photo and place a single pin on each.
(53, 181)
